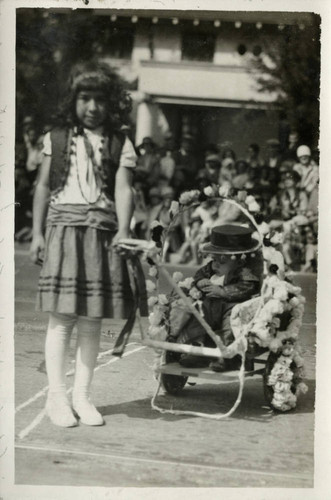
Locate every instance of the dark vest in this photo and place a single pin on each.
(61, 148)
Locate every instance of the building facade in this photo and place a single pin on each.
(193, 72)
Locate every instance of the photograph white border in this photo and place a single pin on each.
(8, 490)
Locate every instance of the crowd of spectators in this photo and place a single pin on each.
(284, 182)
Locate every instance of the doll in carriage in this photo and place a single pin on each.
(238, 310)
(233, 275)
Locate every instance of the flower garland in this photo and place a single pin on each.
(274, 318)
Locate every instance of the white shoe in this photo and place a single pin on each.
(87, 412)
(59, 411)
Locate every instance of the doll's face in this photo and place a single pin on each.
(91, 108)
(222, 261)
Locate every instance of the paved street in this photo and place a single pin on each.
(141, 447)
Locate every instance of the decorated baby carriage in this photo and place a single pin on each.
(265, 328)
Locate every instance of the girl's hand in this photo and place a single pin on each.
(37, 249)
(119, 236)
(213, 291)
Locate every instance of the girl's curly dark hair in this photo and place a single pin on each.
(95, 76)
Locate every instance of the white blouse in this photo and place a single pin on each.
(81, 177)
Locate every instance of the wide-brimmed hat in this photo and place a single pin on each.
(213, 158)
(231, 239)
(291, 174)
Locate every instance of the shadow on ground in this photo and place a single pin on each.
(211, 399)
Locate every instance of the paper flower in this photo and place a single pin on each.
(224, 190)
(209, 191)
(189, 197)
(277, 239)
(152, 301)
(174, 209)
(158, 332)
(163, 299)
(195, 293)
(150, 286)
(153, 271)
(253, 207)
(187, 283)
(241, 196)
(155, 318)
(177, 276)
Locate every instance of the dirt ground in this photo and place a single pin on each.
(139, 446)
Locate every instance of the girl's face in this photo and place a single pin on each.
(91, 108)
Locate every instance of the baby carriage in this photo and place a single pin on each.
(265, 328)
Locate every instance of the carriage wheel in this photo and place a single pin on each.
(267, 389)
(172, 384)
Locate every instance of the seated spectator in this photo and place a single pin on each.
(23, 196)
(140, 213)
(186, 159)
(34, 146)
(290, 200)
(227, 172)
(169, 144)
(148, 162)
(193, 237)
(154, 207)
(167, 164)
(308, 171)
(272, 162)
(253, 156)
(178, 182)
(290, 153)
(227, 152)
(242, 177)
(211, 149)
(162, 182)
(211, 170)
(174, 236)
(263, 189)
(207, 210)
(310, 254)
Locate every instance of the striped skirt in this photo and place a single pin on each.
(83, 275)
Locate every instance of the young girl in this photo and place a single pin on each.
(84, 200)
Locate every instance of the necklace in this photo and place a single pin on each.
(90, 156)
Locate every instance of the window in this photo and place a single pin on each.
(117, 41)
(198, 46)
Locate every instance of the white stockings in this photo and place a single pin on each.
(56, 349)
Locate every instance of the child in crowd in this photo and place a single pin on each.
(242, 176)
(193, 238)
(140, 215)
(290, 200)
(84, 200)
(308, 171)
(174, 233)
(233, 275)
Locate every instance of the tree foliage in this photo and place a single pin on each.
(292, 71)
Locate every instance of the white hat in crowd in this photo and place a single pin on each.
(303, 151)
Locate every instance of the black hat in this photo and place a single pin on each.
(231, 239)
(292, 174)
